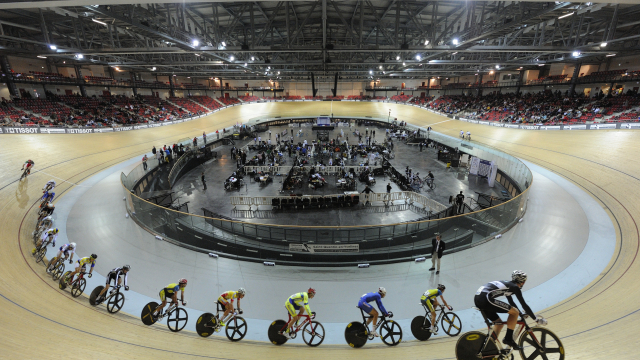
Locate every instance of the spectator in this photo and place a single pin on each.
(204, 138)
(144, 162)
(367, 190)
(438, 247)
(460, 202)
(204, 183)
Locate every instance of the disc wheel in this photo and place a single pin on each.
(313, 333)
(274, 332)
(58, 271)
(451, 324)
(94, 295)
(470, 343)
(420, 328)
(147, 313)
(548, 346)
(78, 287)
(206, 324)
(236, 329)
(115, 303)
(390, 332)
(61, 283)
(356, 334)
(177, 319)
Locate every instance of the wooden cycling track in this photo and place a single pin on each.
(39, 320)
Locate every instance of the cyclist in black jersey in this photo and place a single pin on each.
(116, 275)
(485, 300)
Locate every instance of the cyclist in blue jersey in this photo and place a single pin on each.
(364, 305)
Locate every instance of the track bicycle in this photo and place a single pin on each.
(25, 173)
(114, 299)
(177, 317)
(77, 285)
(535, 343)
(56, 269)
(451, 323)
(208, 323)
(357, 333)
(429, 182)
(41, 251)
(312, 331)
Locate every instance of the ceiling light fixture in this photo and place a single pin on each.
(566, 15)
(455, 41)
(42, 57)
(426, 42)
(99, 22)
(418, 57)
(604, 44)
(576, 53)
(610, 55)
(53, 47)
(195, 43)
(224, 43)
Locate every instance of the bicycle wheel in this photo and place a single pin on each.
(78, 287)
(147, 313)
(313, 333)
(62, 284)
(41, 253)
(420, 328)
(390, 332)
(206, 324)
(451, 324)
(236, 329)
(94, 295)
(541, 343)
(115, 303)
(356, 334)
(177, 319)
(274, 332)
(470, 343)
(57, 271)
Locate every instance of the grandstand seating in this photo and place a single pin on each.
(311, 97)
(207, 101)
(338, 98)
(248, 98)
(189, 105)
(43, 107)
(229, 101)
(293, 97)
(401, 98)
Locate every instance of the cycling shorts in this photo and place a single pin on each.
(111, 276)
(292, 308)
(222, 301)
(427, 302)
(82, 268)
(491, 308)
(365, 306)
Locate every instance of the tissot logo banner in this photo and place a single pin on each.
(630, 126)
(319, 248)
(603, 126)
(69, 131)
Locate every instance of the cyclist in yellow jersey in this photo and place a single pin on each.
(299, 301)
(226, 300)
(429, 299)
(81, 265)
(171, 291)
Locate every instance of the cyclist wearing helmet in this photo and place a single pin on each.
(115, 275)
(47, 197)
(50, 185)
(226, 300)
(299, 301)
(46, 210)
(171, 290)
(28, 165)
(485, 300)
(48, 236)
(65, 250)
(81, 265)
(430, 299)
(364, 305)
(44, 224)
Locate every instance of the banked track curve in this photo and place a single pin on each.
(597, 322)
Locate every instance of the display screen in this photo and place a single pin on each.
(324, 121)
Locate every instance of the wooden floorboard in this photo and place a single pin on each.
(40, 321)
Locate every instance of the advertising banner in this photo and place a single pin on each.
(324, 248)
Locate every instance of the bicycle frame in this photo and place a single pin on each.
(297, 328)
(427, 316)
(520, 326)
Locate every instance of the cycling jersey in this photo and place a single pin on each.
(49, 185)
(228, 297)
(49, 234)
(171, 288)
(87, 260)
(117, 272)
(28, 164)
(428, 297)
(67, 250)
(369, 297)
(487, 294)
(297, 300)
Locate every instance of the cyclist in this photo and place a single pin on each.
(485, 300)
(226, 300)
(44, 224)
(364, 305)
(115, 275)
(462, 134)
(28, 165)
(48, 237)
(81, 265)
(46, 198)
(171, 290)
(299, 301)
(46, 210)
(50, 185)
(429, 178)
(66, 250)
(468, 135)
(430, 300)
